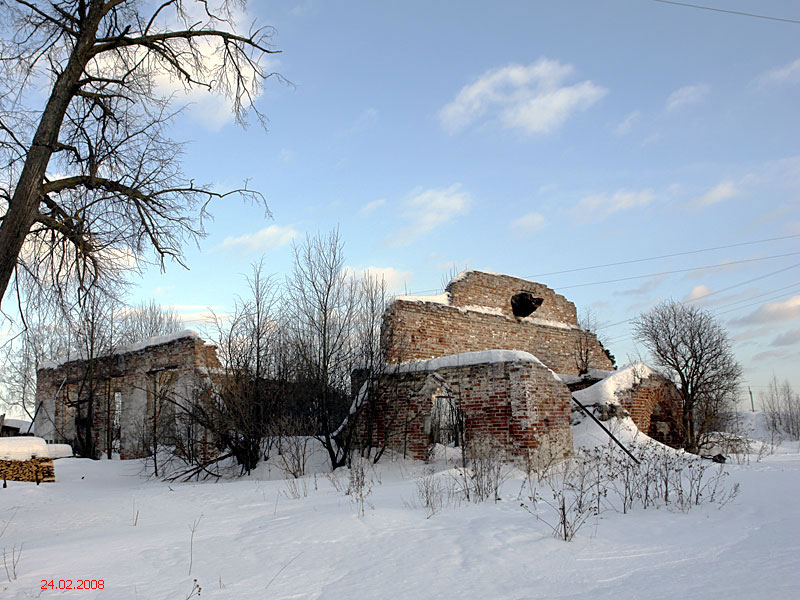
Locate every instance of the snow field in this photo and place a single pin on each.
(257, 538)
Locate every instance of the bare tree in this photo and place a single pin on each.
(781, 406)
(245, 406)
(241, 405)
(692, 349)
(322, 305)
(103, 129)
(583, 342)
(586, 339)
(146, 320)
(92, 330)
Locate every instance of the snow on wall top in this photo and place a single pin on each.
(466, 273)
(23, 448)
(466, 359)
(437, 299)
(605, 391)
(126, 349)
(494, 293)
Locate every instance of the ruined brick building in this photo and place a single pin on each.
(492, 356)
(128, 390)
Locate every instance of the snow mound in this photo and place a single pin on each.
(23, 448)
(596, 374)
(127, 349)
(605, 391)
(60, 450)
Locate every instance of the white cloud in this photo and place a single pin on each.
(163, 290)
(719, 193)
(600, 206)
(645, 288)
(697, 292)
(530, 222)
(395, 279)
(303, 9)
(428, 209)
(789, 73)
(532, 98)
(209, 107)
(690, 94)
(371, 207)
(772, 355)
(626, 125)
(789, 338)
(773, 312)
(365, 119)
(266, 239)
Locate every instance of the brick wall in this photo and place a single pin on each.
(478, 316)
(492, 290)
(518, 405)
(138, 376)
(414, 330)
(654, 405)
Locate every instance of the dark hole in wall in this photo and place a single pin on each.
(524, 303)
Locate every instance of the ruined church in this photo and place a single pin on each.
(498, 357)
(494, 357)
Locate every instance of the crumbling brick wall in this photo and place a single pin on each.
(655, 407)
(135, 379)
(518, 405)
(477, 314)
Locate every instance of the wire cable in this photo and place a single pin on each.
(718, 266)
(688, 252)
(633, 261)
(723, 10)
(730, 287)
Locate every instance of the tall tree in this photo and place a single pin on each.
(692, 349)
(119, 188)
(322, 305)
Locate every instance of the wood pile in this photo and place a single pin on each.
(35, 469)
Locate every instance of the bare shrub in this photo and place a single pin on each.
(486, 470)
(296, 488)
(293, 454)
(435, 492)
(359, 483)
(605, 478)
(781, 406)
(564, 500)
(11, 560)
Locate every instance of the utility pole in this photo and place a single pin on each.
(752, 406)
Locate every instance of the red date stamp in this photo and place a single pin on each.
(69, 584)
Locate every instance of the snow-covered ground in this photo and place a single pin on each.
(258, 538)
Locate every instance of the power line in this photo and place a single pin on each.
(625, 337)
(759, 296)
(754, 303)
(638, 260)
(731, 12)
(730, 287)
(718, 266)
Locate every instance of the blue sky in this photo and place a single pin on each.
(524, 138)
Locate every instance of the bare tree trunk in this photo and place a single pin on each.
(24, 204)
